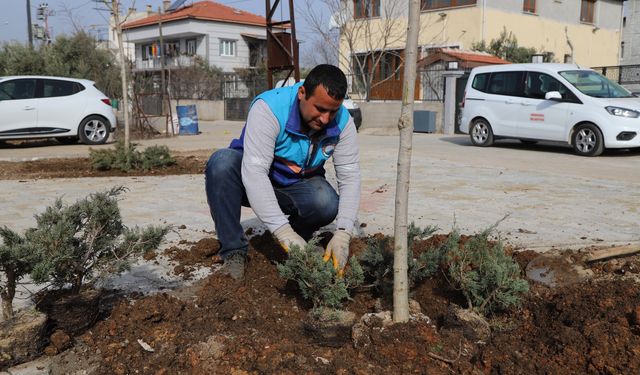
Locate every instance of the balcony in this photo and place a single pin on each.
(170, 62)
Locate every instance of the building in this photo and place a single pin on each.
(222, 36)
(587, 32)
(630, 45)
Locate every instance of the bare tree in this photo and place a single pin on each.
(405, 125)
(114, 7)
(364, 42)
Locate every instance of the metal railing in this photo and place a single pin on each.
(622, 74)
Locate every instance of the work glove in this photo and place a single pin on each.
(287, 237)
(338, 249)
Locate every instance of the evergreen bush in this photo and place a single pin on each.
(489, 278)
(318, 280)
(16, 261)
(377, 259)
(76, 241)
(153, 157)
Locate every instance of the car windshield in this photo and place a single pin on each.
(593, 84)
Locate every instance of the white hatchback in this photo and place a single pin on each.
(550, 102)
(67, 109)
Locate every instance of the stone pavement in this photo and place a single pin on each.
(552, 197)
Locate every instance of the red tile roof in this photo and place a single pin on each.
(202, 10)
(472, 56)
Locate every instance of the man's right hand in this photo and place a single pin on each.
(287, 237)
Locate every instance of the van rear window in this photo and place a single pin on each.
(480, 82)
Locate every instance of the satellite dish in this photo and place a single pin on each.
(176, 4)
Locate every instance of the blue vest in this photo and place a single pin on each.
(296, 155)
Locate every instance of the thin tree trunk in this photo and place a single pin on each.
(7, 295)
(405, 125)
(115, 8)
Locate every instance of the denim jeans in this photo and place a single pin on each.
(310, 203)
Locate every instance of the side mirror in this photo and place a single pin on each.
(553, 95)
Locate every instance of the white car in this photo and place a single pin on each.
(67, 109)
(550, 102)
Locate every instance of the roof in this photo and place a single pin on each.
(474, 58)
(202, 10)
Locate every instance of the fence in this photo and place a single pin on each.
(623, 74)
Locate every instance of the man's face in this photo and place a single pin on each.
(319, 109)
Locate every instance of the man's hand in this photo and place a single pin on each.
(287, 237)
(338, 249)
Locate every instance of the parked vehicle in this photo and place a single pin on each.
(67, 109)
(550, 102)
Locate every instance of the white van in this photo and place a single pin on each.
(550, 102)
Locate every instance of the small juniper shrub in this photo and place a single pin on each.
(377, 259)
(77, 241)
(319, 282)
(16, 261)
(153, 157)
(490, 279)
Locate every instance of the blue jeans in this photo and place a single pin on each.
(310, 203)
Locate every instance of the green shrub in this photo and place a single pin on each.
(489, 279)
(153, 157)
(318, 280)
(377, 259)
(16, 261)
(75, 241)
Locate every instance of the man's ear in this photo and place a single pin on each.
(301, 93)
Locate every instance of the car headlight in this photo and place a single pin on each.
(623, 112)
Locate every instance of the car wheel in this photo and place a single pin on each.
(587, 140)
(481, 133)
(67, 140)
(94, 130)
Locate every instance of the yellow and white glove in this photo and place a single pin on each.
(287, 237)
(338, 249)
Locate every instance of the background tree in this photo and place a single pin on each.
(405, 125)
(378, 36)
(506, 47)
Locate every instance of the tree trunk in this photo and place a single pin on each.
(77, 283)
(405, 125)
(115, 9)
(7, 295)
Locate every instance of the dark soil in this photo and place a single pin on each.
(81, 167)
(257, 326)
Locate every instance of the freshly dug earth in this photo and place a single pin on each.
(193, 163)
(256, 326)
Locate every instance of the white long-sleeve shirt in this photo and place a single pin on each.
(261, 131)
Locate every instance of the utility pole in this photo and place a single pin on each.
(29, 27)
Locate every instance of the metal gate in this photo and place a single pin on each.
(236, 109)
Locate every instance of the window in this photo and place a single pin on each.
(227, 47)
(480, 82)
(18, 89)
(191, 47)
(438, 4)
(366, 8)
(529, 6)
(53, 88)
(587, 11)
(538, 84)
(171, 49)
(622, 50)
(506, 83)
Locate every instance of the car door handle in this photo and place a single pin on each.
(28, 108)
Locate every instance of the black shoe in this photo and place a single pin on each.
(234, 266)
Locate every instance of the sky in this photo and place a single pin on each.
(90, 16)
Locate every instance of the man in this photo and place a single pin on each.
(276, 168)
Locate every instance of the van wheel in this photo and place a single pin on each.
(587, 140)
(481, 133)
(94, 130)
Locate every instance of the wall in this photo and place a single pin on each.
(382, 117)
(631, 34)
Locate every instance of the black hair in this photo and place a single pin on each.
(330, 77)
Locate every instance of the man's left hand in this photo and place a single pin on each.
(338, 249)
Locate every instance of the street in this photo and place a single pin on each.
(550, 197)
